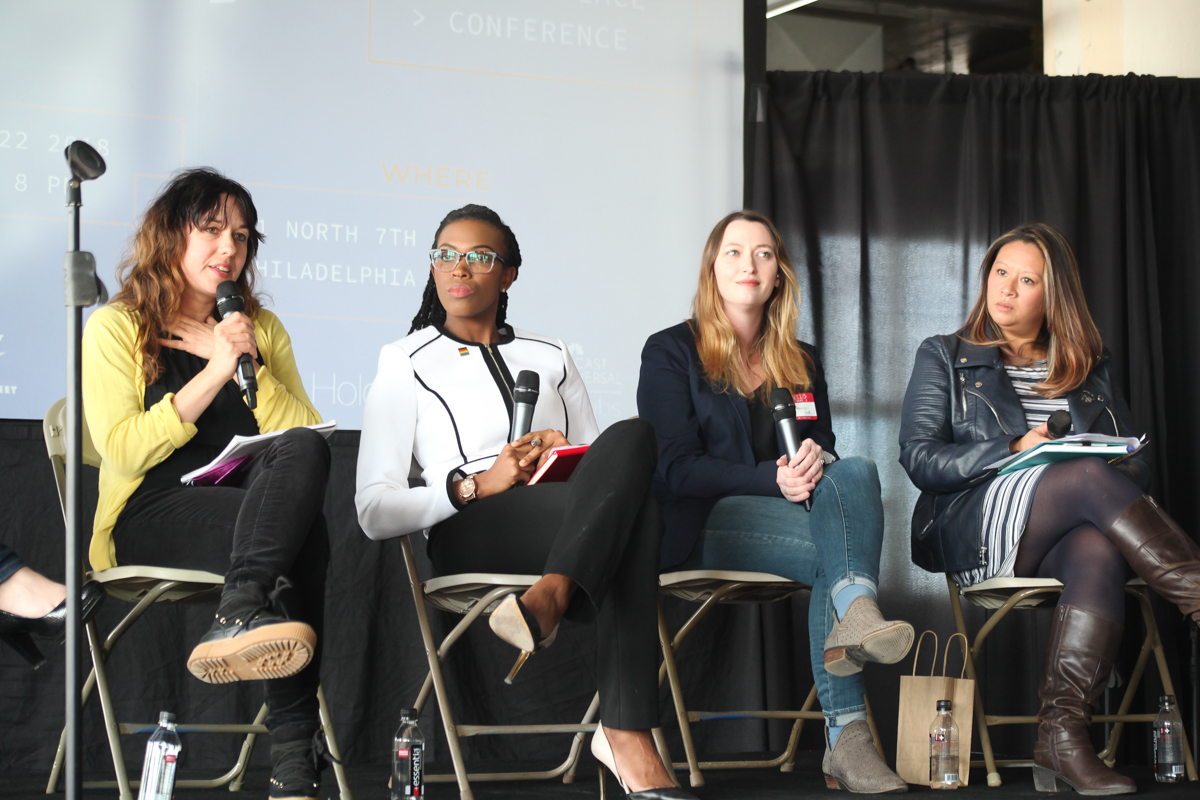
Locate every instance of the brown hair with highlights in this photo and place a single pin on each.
(150, 276)
(1069, 336)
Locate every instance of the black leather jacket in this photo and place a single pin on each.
(960, 414)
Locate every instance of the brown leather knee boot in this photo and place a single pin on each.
(1160, 553)
(1079, 658)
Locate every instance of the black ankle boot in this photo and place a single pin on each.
(251, 639)
(298, 754)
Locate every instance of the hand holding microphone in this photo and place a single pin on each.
(229, 301)
(1059, 424)
(783, 409)
(1056, 427)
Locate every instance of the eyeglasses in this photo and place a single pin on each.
(478, 261)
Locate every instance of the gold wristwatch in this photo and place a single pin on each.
(466, 490)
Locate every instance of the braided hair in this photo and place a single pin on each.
(432, 312)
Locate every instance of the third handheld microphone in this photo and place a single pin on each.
(783, 409)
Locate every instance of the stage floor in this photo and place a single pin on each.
(370, 783)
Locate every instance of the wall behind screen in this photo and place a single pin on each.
(607, 134)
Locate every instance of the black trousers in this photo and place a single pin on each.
(269, 527)
(603, 529)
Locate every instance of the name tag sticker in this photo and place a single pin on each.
(806, 405)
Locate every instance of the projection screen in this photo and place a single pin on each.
(607, 133)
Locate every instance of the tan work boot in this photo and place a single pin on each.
(854, 763)
(864, 635)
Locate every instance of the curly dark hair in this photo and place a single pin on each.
(431, 311)
(150, 279)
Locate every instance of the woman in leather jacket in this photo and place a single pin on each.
(1029, 348)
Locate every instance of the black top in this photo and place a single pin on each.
(226, 416)
(706, 445)
(762, 429)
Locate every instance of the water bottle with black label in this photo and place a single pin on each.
(408, 758)
(1168, 742)
(162, 754)
(943, 749)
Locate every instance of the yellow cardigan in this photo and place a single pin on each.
(131, 439)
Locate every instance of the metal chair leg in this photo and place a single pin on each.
(110, 718)
(577, 740)
(685, 730)
(435, 668)
(339, 771)
(985, 741)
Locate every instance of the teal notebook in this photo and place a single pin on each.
(1110, 448)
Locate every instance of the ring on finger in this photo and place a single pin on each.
(536, 441)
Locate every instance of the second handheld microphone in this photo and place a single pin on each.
(783, 409)
(229, 300)
(525, 395)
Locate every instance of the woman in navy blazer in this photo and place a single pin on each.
(732, 502)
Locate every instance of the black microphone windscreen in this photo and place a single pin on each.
(229, 299)
(782, 405)
(1059, 424)
(527, 386)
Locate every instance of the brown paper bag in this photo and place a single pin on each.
(918, 707)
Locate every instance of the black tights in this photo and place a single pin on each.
(1075, 502)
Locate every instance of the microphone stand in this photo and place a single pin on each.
(83, 289)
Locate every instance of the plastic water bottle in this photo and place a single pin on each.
(408, 758)
(943, 749)
(1168, 742)
(162, 753)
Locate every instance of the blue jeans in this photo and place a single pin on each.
(835, 545)
(9, 563)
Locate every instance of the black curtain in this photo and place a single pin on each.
(888, 190)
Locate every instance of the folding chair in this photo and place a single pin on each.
(474, 595)
(1002, 595)
(146, 586)
(711, 587)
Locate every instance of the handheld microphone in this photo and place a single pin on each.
(783, 409)
(229, 300)
(525, 395)
(1059, 424)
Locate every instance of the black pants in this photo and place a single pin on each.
(603, 529)
(269, 527)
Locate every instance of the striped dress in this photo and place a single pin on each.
(1006, 504)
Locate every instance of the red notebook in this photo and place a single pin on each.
(560, 464)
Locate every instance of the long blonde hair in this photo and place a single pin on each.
(1069, 336)
(784, 361)
(150, 277)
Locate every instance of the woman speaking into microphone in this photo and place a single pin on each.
(732, 502)
(161, 400)
(444, 400)
(976, 396)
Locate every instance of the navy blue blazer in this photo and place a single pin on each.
(704, 447)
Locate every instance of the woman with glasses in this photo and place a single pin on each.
(442, 403)
(732, 502)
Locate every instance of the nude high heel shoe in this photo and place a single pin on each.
(604, 754)
(514, 623)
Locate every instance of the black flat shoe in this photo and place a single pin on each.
(16, 631)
